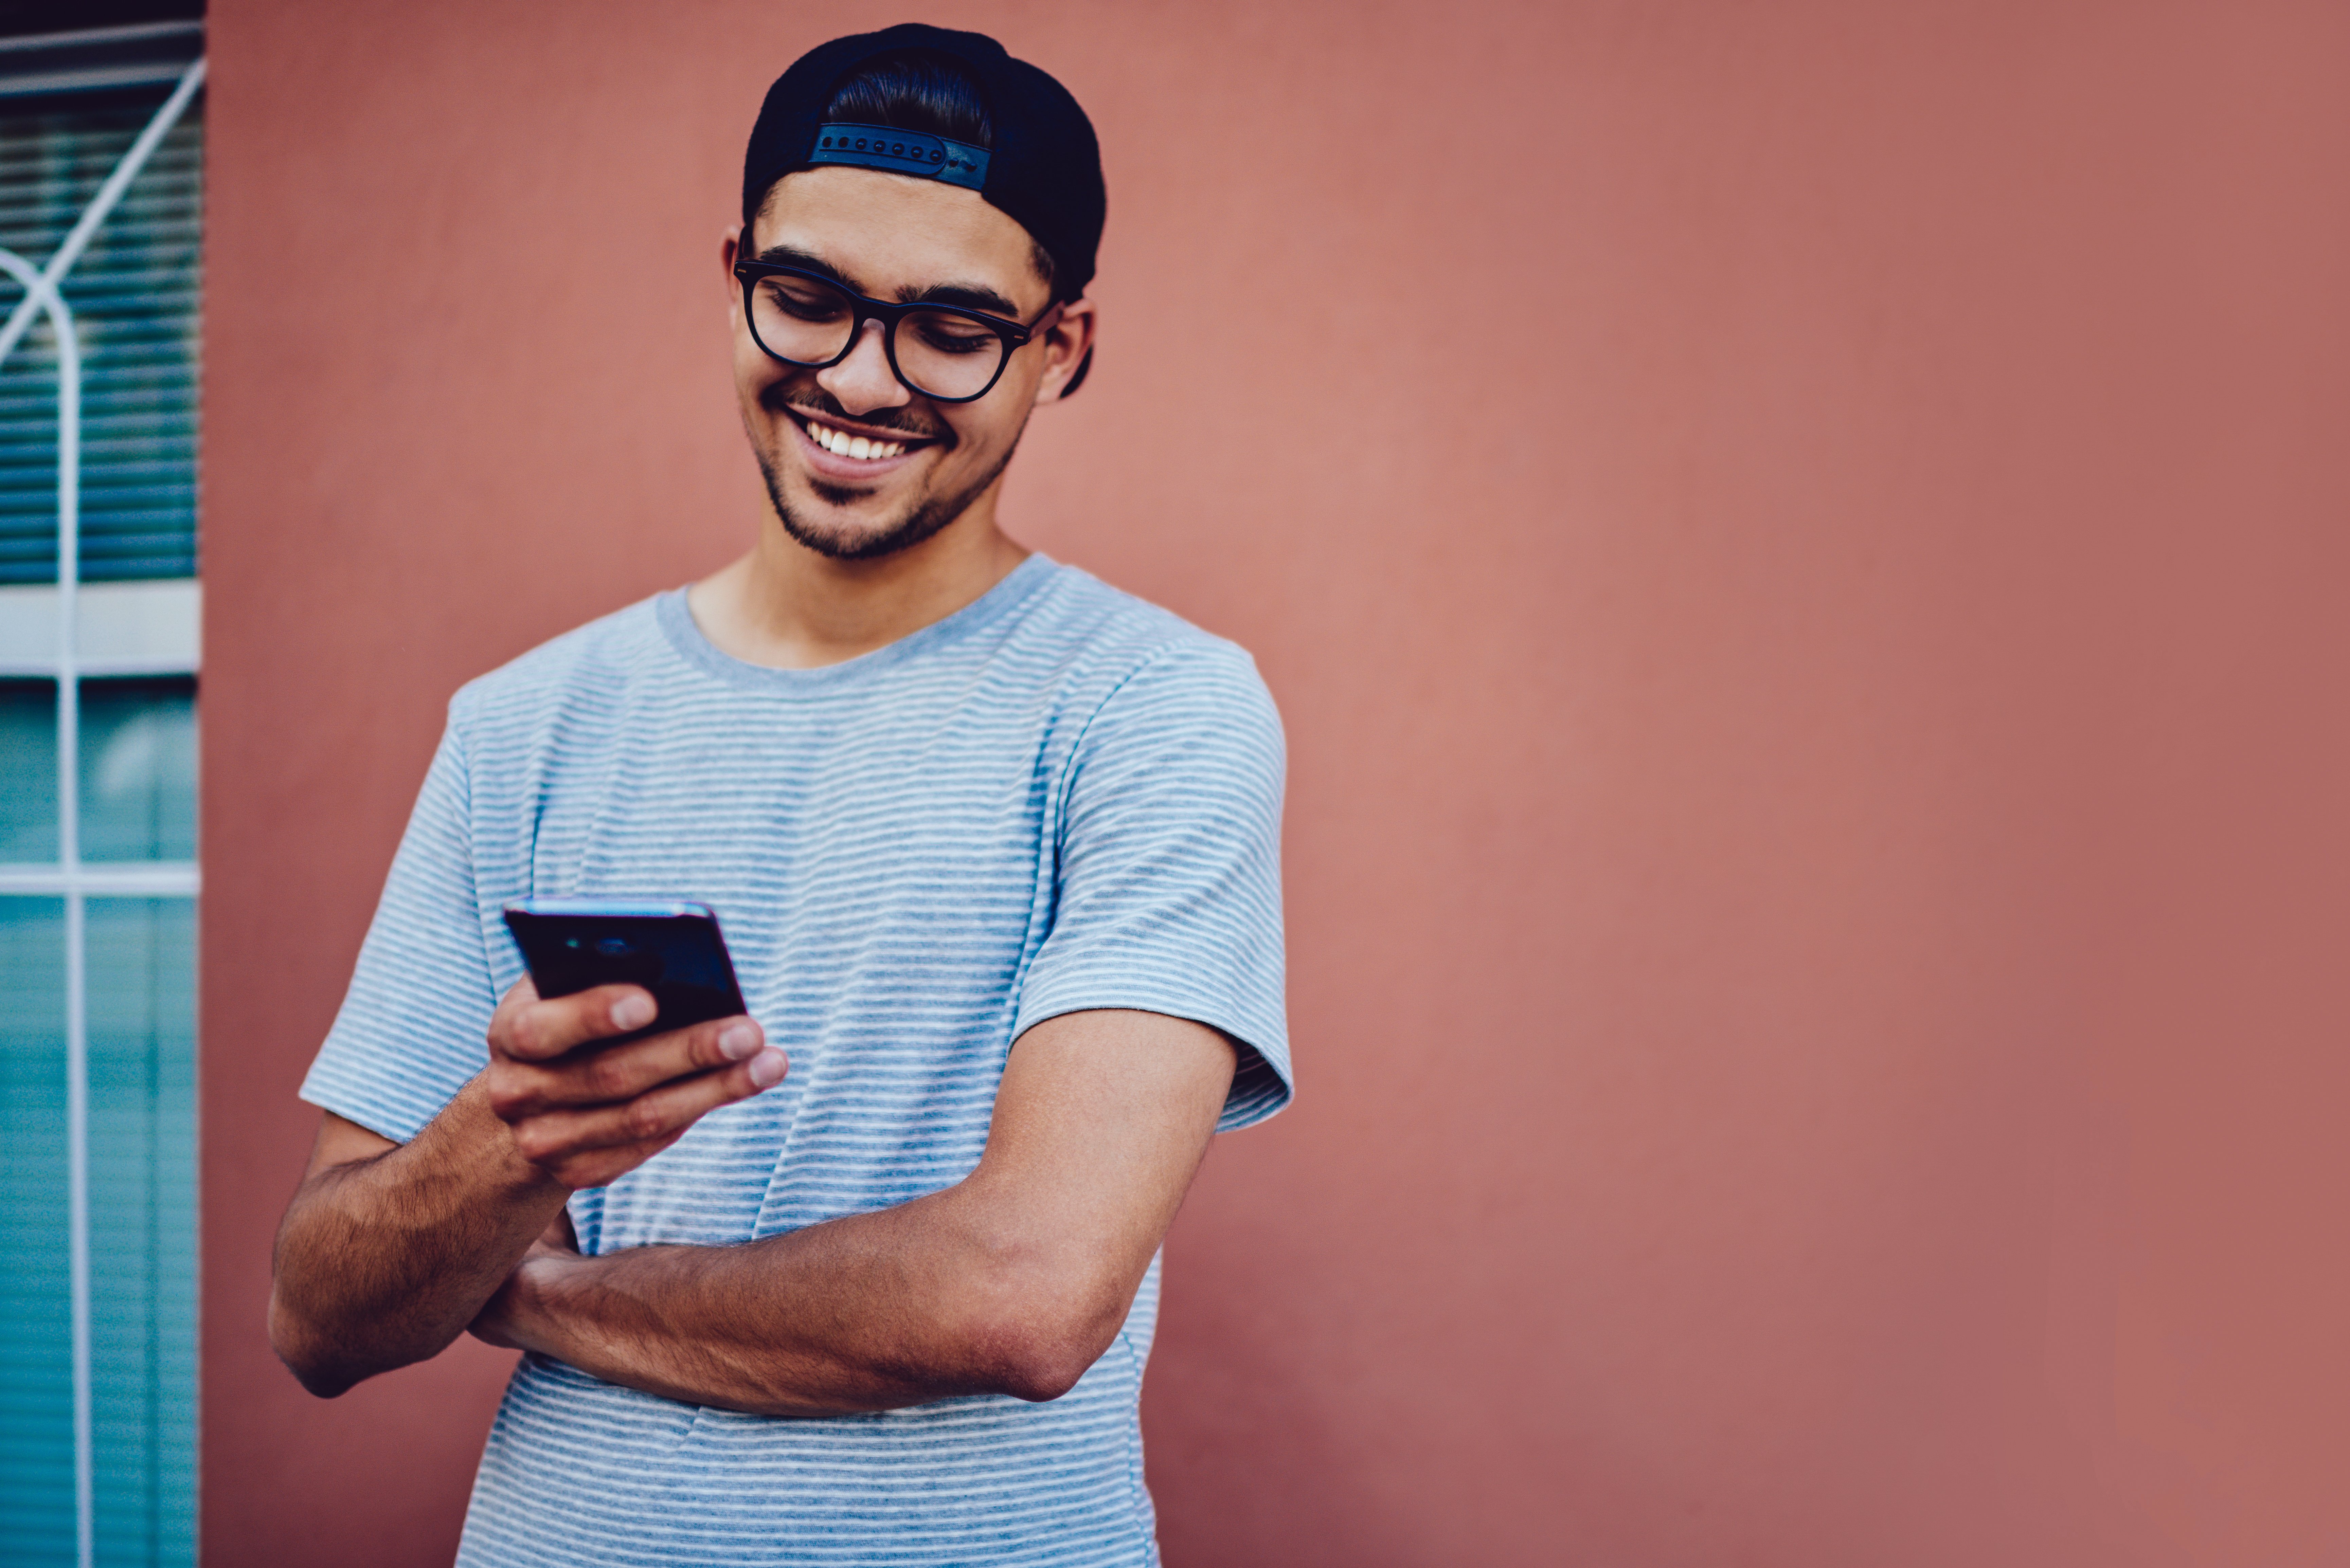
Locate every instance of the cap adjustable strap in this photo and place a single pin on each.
(899, 152)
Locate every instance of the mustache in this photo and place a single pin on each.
(816, 401)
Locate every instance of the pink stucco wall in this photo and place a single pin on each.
(1801, 550)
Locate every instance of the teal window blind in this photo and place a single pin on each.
(111, 1480)
(143, 1209)
(135, 294)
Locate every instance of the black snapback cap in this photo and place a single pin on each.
(1044, 171)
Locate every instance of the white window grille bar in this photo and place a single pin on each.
(119, 628)
(74, 880)
(126, 879)
(20, 320)
(41, 292)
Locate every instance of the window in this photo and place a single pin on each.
(102, 144)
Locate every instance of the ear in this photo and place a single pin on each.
(729, 243)
(1068, 350)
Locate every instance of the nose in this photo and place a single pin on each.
(864, 381)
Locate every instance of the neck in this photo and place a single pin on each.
(787, 607)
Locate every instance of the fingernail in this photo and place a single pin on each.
(630, 1012)
(739, 1040)
(767, 1067)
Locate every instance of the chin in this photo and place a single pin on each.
(835, 521)
(860, 539)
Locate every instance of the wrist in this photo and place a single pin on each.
(516, 1178)
(547, 1278)
(523, 1314)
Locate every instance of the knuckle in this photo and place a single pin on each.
(644, 1119)
(605, 1078)
(523, 1035)
(509, 1093)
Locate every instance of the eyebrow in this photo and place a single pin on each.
(968, 296)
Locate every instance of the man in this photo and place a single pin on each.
(995, 850)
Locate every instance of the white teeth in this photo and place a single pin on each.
(848, 445)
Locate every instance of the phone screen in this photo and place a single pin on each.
(673, 950)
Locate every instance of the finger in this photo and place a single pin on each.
(621, 1073)
(527, 1029)
(521, 993)
(564, 1142)
(548, 1140)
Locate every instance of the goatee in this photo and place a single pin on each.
(927, 516)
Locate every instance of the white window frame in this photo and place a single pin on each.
(69, 879)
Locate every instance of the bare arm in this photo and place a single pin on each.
(1013, 1281)
(388, 1251)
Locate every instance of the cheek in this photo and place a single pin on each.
(755, 374)
(984, 434)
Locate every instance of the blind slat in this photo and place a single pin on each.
(135, 296)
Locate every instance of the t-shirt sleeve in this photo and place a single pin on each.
(1168, 895)
(415, 1025)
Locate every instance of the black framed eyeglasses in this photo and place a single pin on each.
(944, 352)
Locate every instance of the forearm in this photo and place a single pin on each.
(1013, 1281)
(874, 1312)
(383, 1261)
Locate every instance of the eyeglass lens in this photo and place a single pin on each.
(940, 354)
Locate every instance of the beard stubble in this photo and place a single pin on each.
(928, 514)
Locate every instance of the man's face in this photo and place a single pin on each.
(891, 238)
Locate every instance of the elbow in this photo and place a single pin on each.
(306, 1354)
(322, 1383)
(1044, 1371)
(1039, 1350)
(1027, 1311)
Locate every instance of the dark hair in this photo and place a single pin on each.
(933, 92)
(915, 90)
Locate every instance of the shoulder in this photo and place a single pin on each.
(536, 690)
(1133, 653)
(1157, 703)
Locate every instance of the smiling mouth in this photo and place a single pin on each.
(849, 445)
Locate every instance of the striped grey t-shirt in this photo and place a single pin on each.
(1057, 798)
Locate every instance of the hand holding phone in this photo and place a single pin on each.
(595, 1081)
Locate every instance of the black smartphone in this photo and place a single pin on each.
(673, 950)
